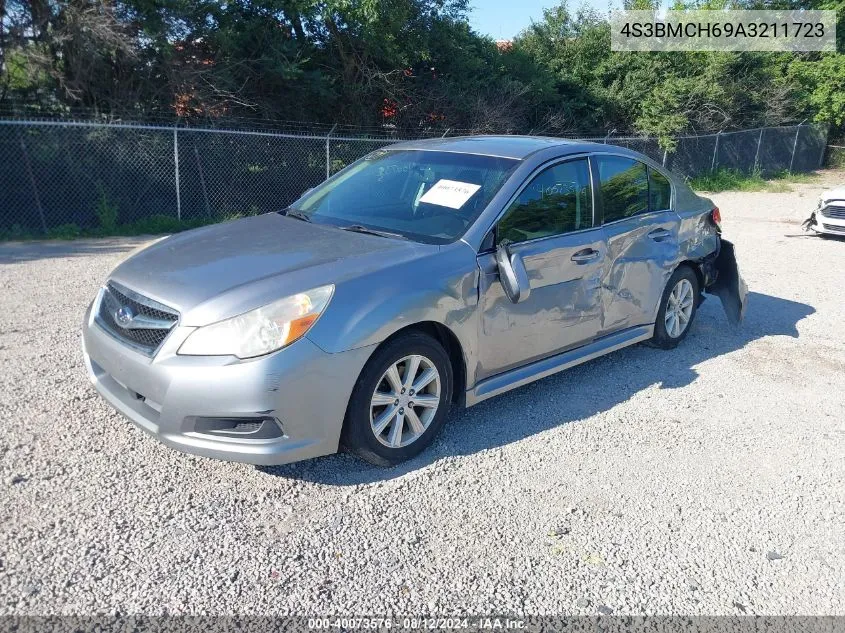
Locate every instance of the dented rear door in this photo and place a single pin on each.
(641, 232)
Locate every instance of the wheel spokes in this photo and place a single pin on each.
(673, 298)
(381, 423)
(425, 379)
(393, 379)
(679, 308)
(414, 421)
(381, 399)
(395, 436)
(411, 368)
(405, 401)
(427, 401)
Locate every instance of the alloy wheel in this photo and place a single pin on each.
(405, 401)
(679, 308)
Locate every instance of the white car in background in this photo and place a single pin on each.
(829, 216)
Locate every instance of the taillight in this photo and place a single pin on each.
(716, 216)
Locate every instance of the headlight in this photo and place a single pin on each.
(262, 330)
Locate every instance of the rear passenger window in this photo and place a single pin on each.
(558, 200)
(660, 191)
(624, 187)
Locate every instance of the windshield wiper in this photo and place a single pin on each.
(359, 228)
(293, 213)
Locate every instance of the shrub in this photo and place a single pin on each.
(106, 211)
(64, 232)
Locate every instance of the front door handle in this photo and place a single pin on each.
(658, 235)
(584, 256)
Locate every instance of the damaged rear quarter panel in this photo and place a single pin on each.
(697, 236)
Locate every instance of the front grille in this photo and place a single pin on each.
(149, 326)
(834, 228)
(834, 212)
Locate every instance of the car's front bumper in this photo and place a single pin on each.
(828, 225)
(301, 386)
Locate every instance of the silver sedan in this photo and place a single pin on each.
(425, 275)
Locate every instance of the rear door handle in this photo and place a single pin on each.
(658, 235)
(584, 256)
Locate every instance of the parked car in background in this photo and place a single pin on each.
(829, 215)
(426, 274)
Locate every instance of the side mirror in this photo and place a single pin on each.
(512, 274)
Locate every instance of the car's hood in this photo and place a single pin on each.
(833, 194)
(226, 269)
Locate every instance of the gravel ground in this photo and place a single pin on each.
(706, 480)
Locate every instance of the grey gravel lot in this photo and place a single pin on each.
(705, 480)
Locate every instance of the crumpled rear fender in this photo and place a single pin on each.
(729, 286)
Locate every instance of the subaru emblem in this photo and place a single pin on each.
(124, 316)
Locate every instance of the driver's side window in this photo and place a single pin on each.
(557, 200)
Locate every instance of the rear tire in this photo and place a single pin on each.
(400, 401)
(678, 306)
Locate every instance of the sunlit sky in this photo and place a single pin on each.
(503, 19)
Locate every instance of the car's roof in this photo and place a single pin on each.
(517, 147)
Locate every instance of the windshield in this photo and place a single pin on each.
(425, 196)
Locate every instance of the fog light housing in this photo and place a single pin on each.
(241, 428)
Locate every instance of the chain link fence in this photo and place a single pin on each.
(64, 178)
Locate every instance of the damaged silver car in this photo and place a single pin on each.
(425, 275)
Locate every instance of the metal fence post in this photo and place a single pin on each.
(665, 152)
(757, 153)
(328, 152)
(715, 152)
(794, 145)
(608, 135)
(176, 163)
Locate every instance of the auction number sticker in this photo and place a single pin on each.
(450, 193)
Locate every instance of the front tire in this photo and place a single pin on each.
(400, 401)
(677, 309)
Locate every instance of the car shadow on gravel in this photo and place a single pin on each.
(572, 395)
(17, 252)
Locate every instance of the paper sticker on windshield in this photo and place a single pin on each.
(450, 193)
